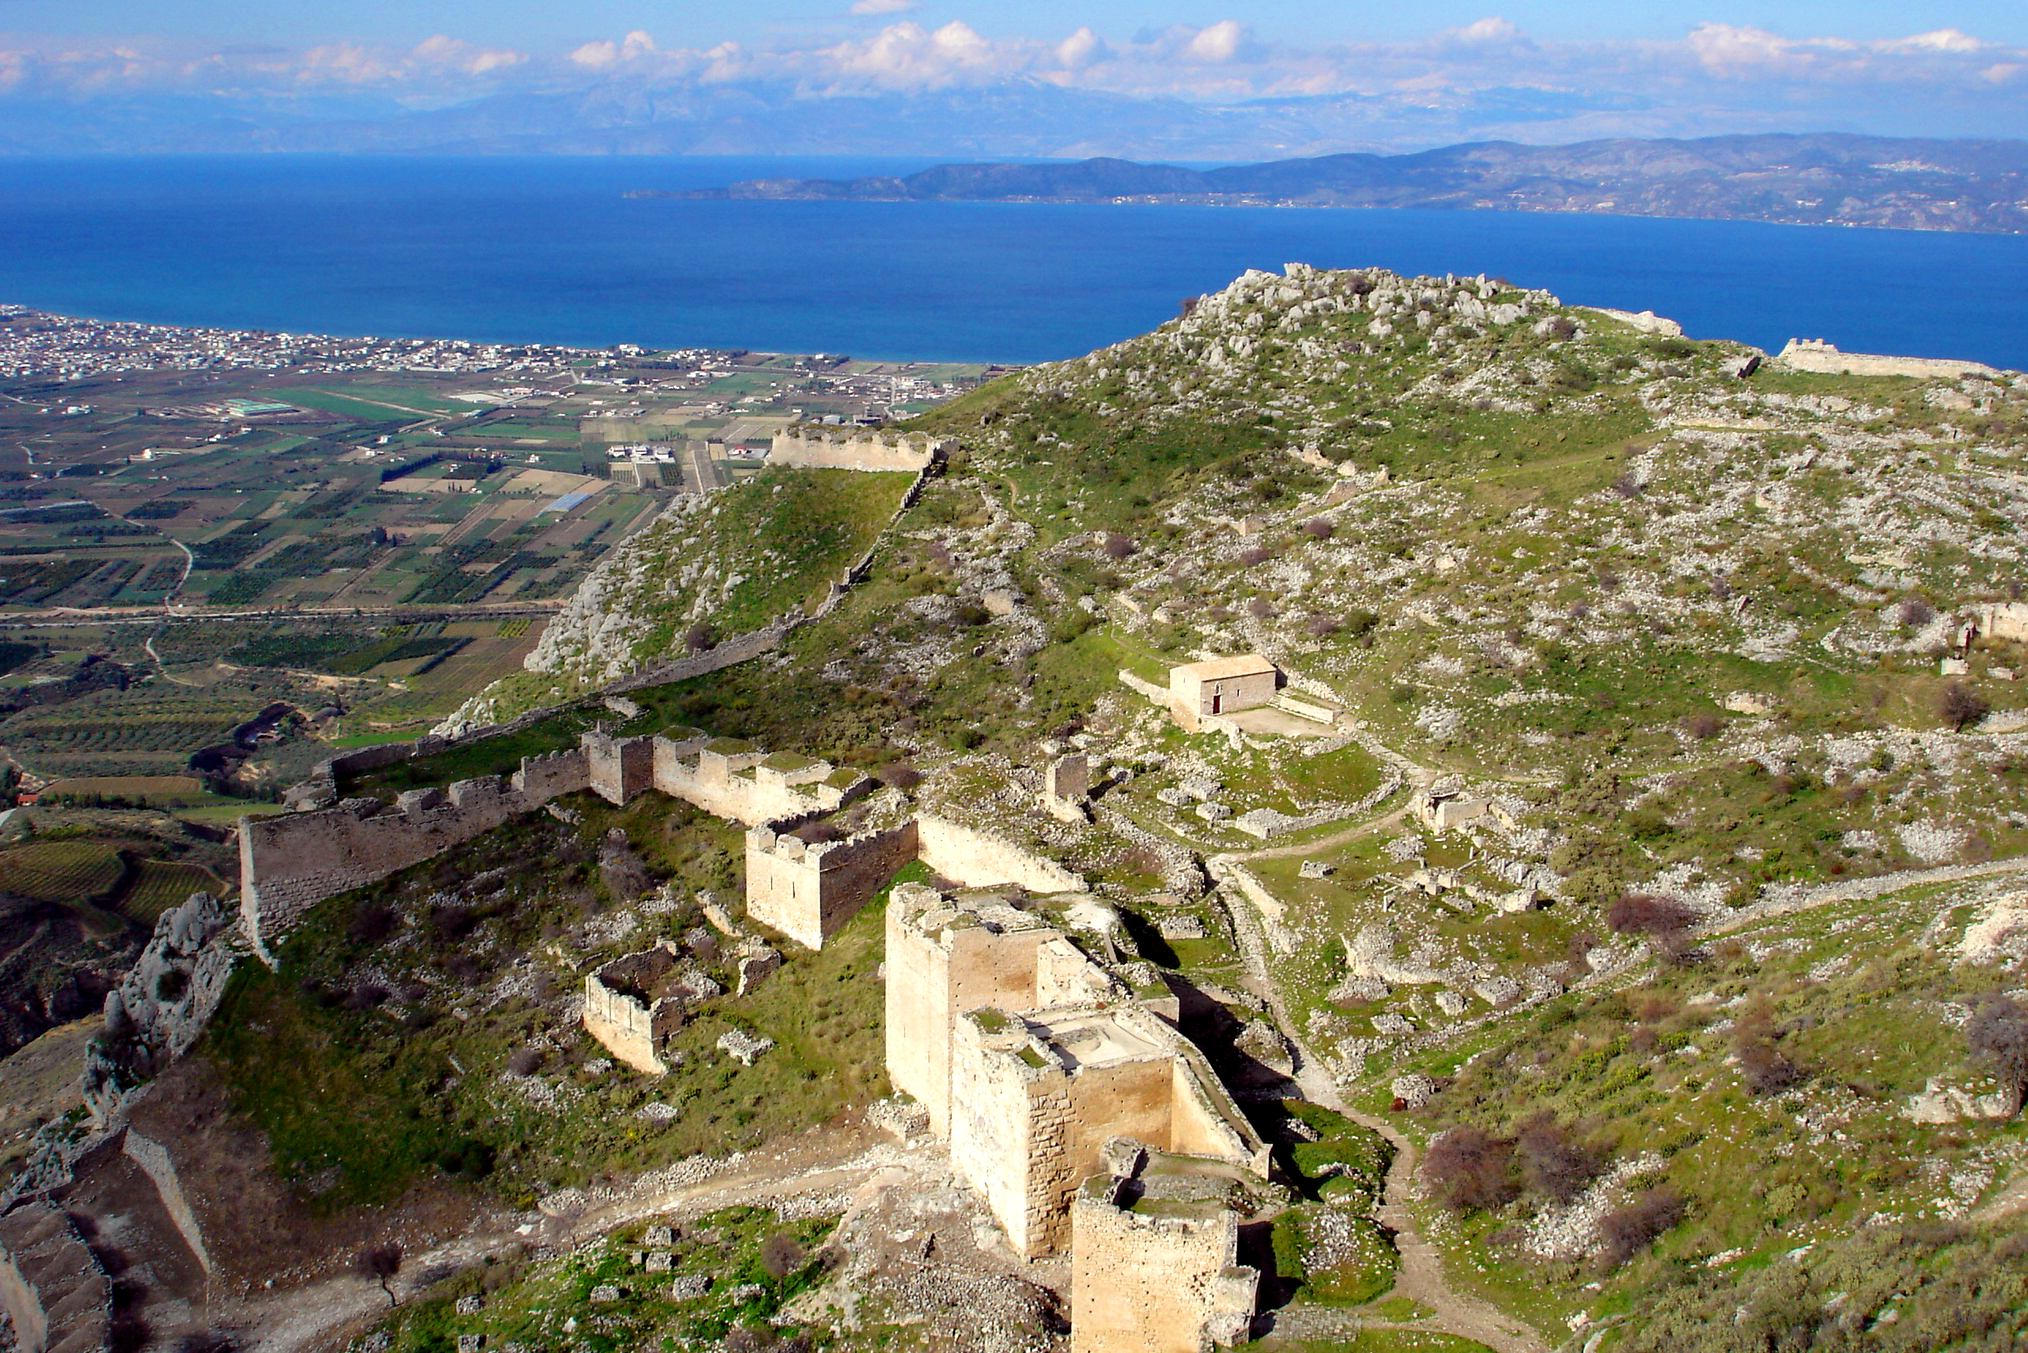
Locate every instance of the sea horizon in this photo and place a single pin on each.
(551, 250)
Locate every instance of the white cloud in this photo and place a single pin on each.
(1219, 43)
(882, 6)
(1951, 40)
(450, 52)
(1080, 49)
(908, 56)
(604, 55)
(1487, 77)
(1491, 29)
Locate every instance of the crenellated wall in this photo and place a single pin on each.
(616, 769)
(292, 861)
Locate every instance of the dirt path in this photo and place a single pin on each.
(1421, 1276)
(1861, 889)
(1343, 837)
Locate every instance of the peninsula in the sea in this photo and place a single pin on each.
(1819, 179)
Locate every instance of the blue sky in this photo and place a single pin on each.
(537, 23)
(1387, 75)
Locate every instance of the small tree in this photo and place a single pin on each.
(1468, 1168)
(381, 1263)
(1998, 1036)
(1960, 705)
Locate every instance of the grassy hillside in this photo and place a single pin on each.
(429, 1025)
(708, 569)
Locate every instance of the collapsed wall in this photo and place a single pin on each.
(628, 1009)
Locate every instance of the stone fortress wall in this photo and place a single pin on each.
(1814, 354)
(622, 1012)
(290, 862)
(57, 1295)
(812, 446)
(154, 1161)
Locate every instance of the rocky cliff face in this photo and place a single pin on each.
(162, 1005)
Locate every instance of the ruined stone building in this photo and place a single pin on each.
(633, 1004)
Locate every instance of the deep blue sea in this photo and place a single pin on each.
(550, 250)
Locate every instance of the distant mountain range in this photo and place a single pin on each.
(1822, 179)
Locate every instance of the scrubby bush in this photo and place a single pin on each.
(1117, 546)
(372, 921)
(1555, 1164)
(781, 1255)
(1702, 726)
(1316, 528)
(1765, 1068)
(1628, 1230)
(1255, 554)
(1468, 1168)
(1664, 921)
(1998, 1037)
(1914, 612)
(898, 775)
